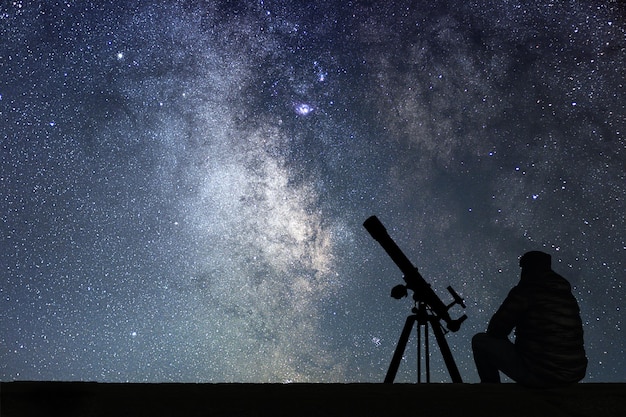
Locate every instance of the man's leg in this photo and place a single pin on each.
(492, 355)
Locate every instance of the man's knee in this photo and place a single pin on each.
(480, 340)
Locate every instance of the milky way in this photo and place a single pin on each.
(184, 184)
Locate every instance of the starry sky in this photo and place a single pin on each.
(184, 183)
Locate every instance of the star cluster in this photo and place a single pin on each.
(184, 183)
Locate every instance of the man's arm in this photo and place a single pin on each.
(508, 315)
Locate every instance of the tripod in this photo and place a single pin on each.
(422, 317)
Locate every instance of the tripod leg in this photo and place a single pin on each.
(445, 351)
(427, 355)
(419, 351)
(397, 355)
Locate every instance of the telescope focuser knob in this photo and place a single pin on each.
(399, 291)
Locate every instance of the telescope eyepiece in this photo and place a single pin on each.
(455, 325)
(457, 298)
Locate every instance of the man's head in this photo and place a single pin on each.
(535, 261)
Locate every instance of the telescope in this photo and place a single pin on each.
(414, 280)
(429, 307)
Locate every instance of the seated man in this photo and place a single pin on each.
(548, 349)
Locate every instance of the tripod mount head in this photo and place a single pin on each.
(422, 291)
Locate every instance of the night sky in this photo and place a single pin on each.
(184, 183)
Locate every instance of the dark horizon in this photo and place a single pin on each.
(357, 399)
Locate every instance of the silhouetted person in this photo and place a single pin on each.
(548, 349)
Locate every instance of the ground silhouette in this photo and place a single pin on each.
(106, 399)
